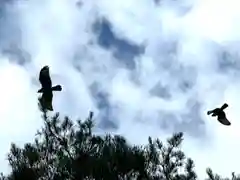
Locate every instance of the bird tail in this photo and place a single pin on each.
(224, 106)
(57, 88)
(45, 105)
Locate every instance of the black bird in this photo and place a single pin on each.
(47, 89)
(221, 116)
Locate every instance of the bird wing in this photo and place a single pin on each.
(214, 112)
(57, 88)
(46, 100)
(44, 78)
(225, 105)
(223, 119)
(209, 112)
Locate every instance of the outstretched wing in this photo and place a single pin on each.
(209, 112)
(44, 78)
(57, 88)
(223, 119)
(225, 105)
(214, 112)
(46, 100)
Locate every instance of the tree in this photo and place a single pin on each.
(64, 150)
(212, 176)
(71, 151)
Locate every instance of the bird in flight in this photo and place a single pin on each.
(221, 116)
(47, 89)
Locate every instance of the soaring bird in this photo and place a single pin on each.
(47, 89)
(221, 116)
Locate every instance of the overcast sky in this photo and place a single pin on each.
(146, 68)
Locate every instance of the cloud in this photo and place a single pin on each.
(146, 68)
(123, 50)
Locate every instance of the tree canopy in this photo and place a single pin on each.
(71, 151)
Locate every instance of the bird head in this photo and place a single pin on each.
(45, 68)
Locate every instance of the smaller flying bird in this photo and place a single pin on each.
(221, 116)
(47, 89)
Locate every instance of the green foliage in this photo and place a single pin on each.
(71, 151)
(212, 176)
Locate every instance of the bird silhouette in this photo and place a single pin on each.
(47, 89)
(221, 116)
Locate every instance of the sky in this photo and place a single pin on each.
(146, 68)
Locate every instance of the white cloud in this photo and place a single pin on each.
(54, 31)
